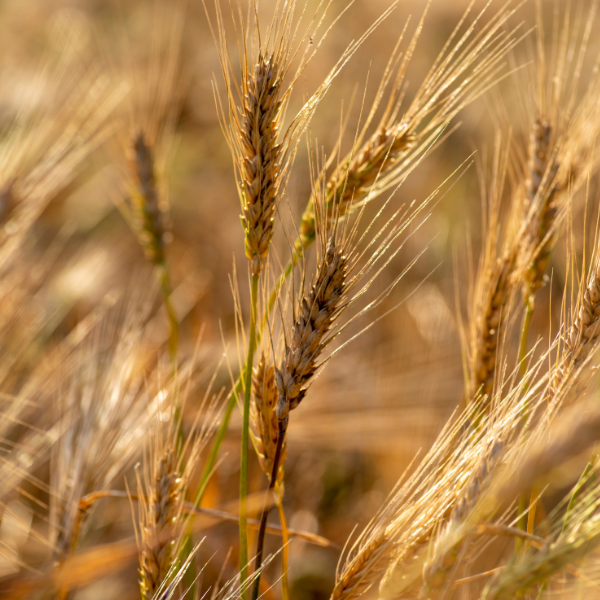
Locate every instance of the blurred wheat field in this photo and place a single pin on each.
(299, 299)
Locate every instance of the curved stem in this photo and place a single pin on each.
(245, 432)
(265, 514)
(529, 307)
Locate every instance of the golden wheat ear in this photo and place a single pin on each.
(469, 63)
(496, 286)
(256, 104)
(264, 422)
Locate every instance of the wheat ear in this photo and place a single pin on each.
(260, 164)
(465, 68)
(158, 548)
(317, 312)
(152, 228)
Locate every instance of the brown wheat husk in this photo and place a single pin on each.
(264, 422)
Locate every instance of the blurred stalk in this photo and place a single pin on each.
(285, 553)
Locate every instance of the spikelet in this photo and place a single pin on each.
(383, 159)
(264, 423)
(163, 483)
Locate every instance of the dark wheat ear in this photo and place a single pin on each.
(315, 317)
(152, 226)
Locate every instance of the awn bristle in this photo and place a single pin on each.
(316, 315)
(265, 428)
(152, 227)
(158, 531)
(260, 164)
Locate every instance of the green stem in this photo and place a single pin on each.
(529, 307)
(252, 343)
(577, 489)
